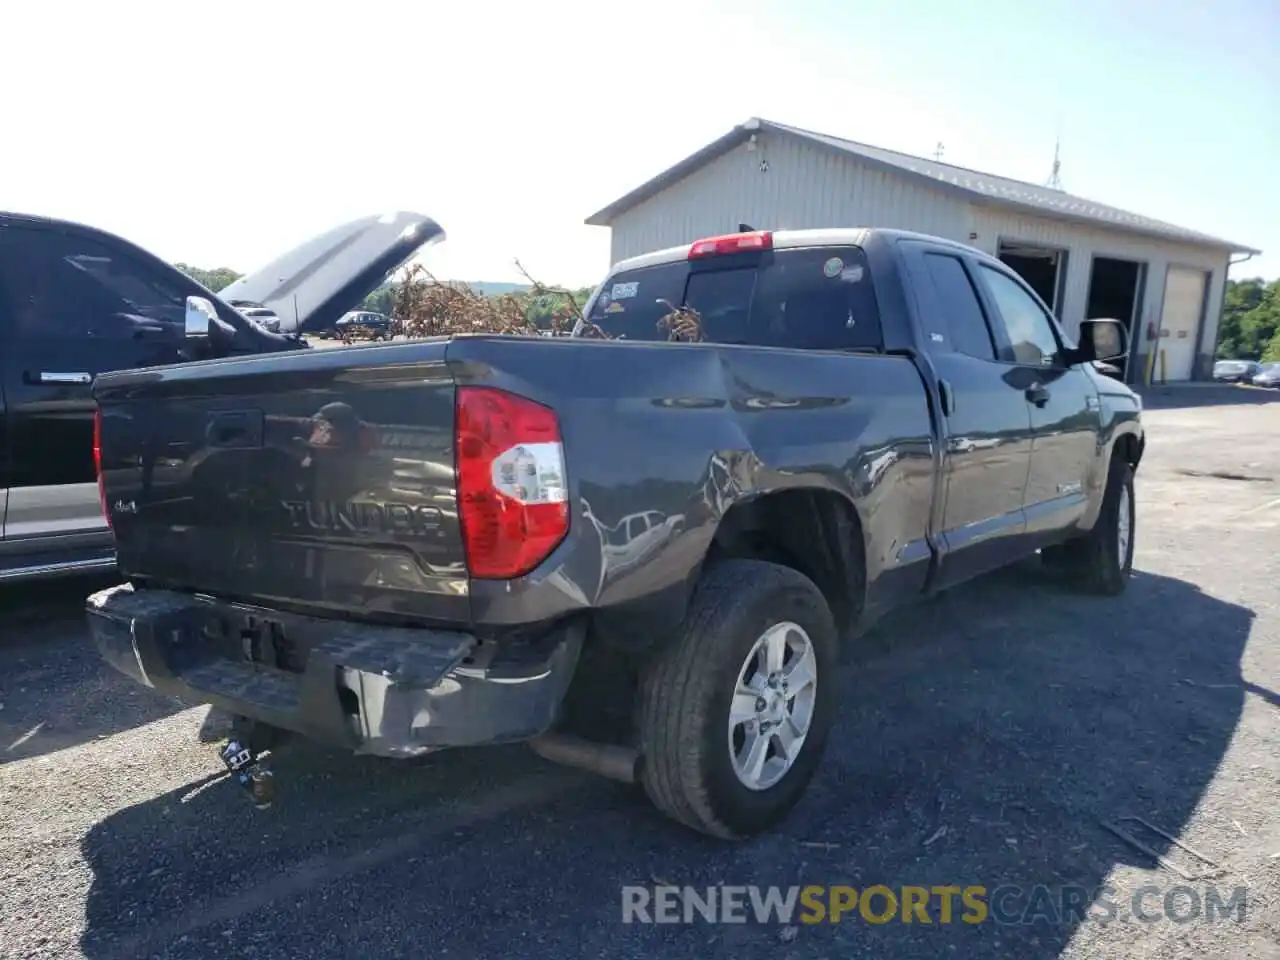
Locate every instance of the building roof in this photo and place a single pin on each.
(971, 185)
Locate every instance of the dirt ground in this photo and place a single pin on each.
(986, 738)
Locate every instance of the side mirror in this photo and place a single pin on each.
(1102, 340)
(200, 316)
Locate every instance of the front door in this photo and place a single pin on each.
(71, 306)
(988, 420)
(1062, 402)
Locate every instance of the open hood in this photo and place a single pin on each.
(325, 277)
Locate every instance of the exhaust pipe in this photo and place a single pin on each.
(616, 763)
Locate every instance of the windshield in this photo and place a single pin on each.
(815, 298)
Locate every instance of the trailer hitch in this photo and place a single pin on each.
(247, 766)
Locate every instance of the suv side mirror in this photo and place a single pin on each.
(200, 316)
(1101, 340)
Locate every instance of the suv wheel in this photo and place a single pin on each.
(1102, 560)
(734, 714)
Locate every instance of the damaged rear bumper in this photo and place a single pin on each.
(387, 691)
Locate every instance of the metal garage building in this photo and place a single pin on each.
(1085, 259)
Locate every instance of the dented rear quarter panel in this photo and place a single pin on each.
(661, 440)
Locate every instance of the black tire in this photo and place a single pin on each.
(685, 694)
(1094, 562)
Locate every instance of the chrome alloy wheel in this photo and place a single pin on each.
(772, 706)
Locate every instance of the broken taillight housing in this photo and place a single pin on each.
(97, 463)
(512, 502)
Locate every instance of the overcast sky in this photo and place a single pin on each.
(222, 133)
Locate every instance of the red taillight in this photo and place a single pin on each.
(512, 501)
(97, 463)
(731, 243)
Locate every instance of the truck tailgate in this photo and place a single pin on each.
(318, 480)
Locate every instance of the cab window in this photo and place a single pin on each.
(1028, 327)
(816, 298)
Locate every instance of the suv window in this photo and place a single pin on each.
(958, 303)
(816, 298)
(1029, 329)
(66, 285)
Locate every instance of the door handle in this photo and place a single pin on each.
(59, 377)
(947, 397)
(1037, 394)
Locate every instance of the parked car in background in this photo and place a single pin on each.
(265, 318)
(364, 325)
(867, 417)
(1235, 371)
(1268, 375)
(76, 302)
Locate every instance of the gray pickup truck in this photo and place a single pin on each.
(403, 547)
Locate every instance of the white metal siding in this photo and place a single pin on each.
(1082, 243)
(804, 187)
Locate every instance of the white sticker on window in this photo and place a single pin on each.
(851, 274)
(624, 291)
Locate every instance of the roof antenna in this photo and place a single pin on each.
(745, 228)
(938, 150)
(1055, 180)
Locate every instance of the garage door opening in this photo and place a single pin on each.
(1115, 294)
(1044, 269)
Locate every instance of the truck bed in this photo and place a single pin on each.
(323, 482)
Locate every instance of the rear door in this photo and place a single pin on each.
(71, 306)
(989, 430)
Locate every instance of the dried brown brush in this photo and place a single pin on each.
(426, 307)
(681, 324)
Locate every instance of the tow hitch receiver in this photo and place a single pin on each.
(248, 769)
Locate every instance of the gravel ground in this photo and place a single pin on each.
(1015, 715)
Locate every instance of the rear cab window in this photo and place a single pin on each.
(811, 298)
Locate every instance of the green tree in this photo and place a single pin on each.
(542, 307)
(1250, 320)
(1272, 353)
(380, 300)
(214, 279)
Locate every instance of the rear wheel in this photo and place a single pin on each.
(734, 714)
(1101, 561)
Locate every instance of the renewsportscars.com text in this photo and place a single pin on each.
(938, 904)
